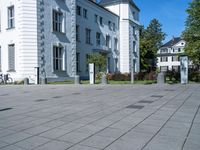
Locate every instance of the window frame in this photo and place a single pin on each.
(11, 17)
(57, 21)
(58, 59)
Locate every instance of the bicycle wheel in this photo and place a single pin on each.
(1, 81)
(9, 81)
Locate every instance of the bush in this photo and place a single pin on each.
(172, 75)
(194, 75)
(119, 77)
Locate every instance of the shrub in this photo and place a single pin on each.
(194, 75)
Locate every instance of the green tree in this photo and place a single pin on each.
(150, 41)
(192, 32)
(99, 60)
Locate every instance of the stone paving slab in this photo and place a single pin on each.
(100, 117)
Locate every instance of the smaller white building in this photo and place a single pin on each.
(168, 54)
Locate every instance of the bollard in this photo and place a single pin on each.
(104, 79)
(161, 78)
(26, 81)
(77, 79)
(44, 81)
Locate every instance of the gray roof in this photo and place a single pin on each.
(172, 42)
(109, 2)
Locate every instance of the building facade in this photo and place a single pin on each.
(168, 54)
(57, 36)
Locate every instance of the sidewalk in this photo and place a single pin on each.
(111, 117)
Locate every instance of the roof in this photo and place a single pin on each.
(172, 42)
(109, 2)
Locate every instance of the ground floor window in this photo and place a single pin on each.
(11, 57)
(0, 58)
(163, 68)
(58, 58)
(77, 62)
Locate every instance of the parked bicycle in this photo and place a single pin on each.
(5, 79)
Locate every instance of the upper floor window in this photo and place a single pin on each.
(11, 17)
(77, 33)
(88, 36)
(78, 10)
(57, 21)
(110, 25)
(164, 59)
(114, 27)
(85, 13)
(133, 30)
(96, 18)
(98, 39)
(116, 44)
(164, 50)
(108, 41)
(101, 20)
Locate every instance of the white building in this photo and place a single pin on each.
(168, 54)
(58, 35)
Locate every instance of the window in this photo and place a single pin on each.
(108, 41)
(78, 10)
(77, 33)
(88, 36)
(87, 64)
(57, 21)
(85, 13)
(0, 58)
(179, 49)
(11, 17)
(58, 60)
(163, 68)
(134, 44)
(77, 62)
(116, 44)
(114, 27)
(108, 64)
(96, 18)
(164, 50)
(175, 58)
(11, 57)
(98, 39)
(133, 30)
(164, 59)
(101, 21)
(110, 25)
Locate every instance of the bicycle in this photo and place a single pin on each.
(5, 79)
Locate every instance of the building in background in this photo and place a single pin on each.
(168, 54)
(58, 35)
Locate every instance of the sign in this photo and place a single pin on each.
(92, 73)
(184, 69)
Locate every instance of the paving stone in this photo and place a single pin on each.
(32, 142)
(111, 132)
(54, 133)
(37, 130)
(54, 145)
(12, 147)
(74, 137)
(15, 137)
(81, 147)
(97, 142)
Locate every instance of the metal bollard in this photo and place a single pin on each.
(44, 81)
(26, 81)
(104, 79)
(161, 78)
(77, 79)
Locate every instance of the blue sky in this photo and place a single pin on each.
(170, 13)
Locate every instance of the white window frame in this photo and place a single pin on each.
(58, 57)
(57, 18)
(11, 17)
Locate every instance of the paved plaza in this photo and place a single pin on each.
(110, 117)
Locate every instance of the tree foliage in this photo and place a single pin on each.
(99, 60)
(150, 41)
(192, 32)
